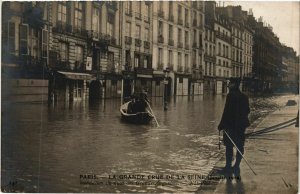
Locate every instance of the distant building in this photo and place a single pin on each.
(267, 57)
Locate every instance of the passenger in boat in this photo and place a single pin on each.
(141, 103)
(131, 105)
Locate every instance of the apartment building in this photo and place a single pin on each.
(24, 51)
(223, 53)
(85, 50)
(177, 38)
(137, 46)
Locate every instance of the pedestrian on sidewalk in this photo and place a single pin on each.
(234, 121)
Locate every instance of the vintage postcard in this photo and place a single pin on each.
(149, 96)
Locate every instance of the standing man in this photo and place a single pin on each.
(234, 121)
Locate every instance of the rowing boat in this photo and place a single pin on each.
(136, 118)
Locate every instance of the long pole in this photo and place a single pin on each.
(219, 140)
(152, 114)
(239, 152)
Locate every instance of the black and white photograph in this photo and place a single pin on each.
(150, 96)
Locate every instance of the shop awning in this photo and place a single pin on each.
(77, 76)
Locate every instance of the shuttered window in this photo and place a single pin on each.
(23, 39)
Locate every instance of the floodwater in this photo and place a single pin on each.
(46, 149)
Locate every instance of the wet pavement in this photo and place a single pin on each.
(46, 149)
(272, 151)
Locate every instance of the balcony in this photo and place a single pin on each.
(194, 67)
(161, 14)
(209, 58)
(128, 12)
(171, 42)
(180, 21)
(138, 16)
(187, 46)
(187, 25)
(180, 68)
(144, 71)
(160, 66)
(195, 45)
(160, 39)
(223, 37)
(62, 27)
(128, 40)
(138, 42)
(195, 23)
(79, 31)
(171, 18)
(170, 66)
(146, 19)
(146, 44)
(187, 70)
(112, 6)
(180, 45)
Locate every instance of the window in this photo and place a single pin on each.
(62, 12)
(128, 29)
(136, 60)
(160, 6)
(110, 59)
(78, 14)
(63, 51)
(11, 37)
(179, 36)
(147, 11)
(139, 7)
(179, 12)
(110, 24)
(23, 39)
(33, 45)
(220, 62)
(186, 16)
(219, 52)
(186, 39)
(145, 62)
(160, 55)
(186, 60)
(170, 57)
(79, 54)
(128, 6)
(95, 20)
(170, 8)
(160, 28)
(170, 32)
(44, 43)
(179, 59)
(138, 32)
(147, 37)
(210, 51)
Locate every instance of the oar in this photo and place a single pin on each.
(239, 151)
(152, 113)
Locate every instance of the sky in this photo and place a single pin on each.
(283, 16)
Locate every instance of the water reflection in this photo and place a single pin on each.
(58, 143)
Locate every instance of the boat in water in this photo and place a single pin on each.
(135, 118)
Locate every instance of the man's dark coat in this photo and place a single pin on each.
(235, 116)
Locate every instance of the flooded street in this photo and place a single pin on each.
(46, 149)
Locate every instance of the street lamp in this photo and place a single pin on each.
(166, 71)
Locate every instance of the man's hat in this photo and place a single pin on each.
(235, 80)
